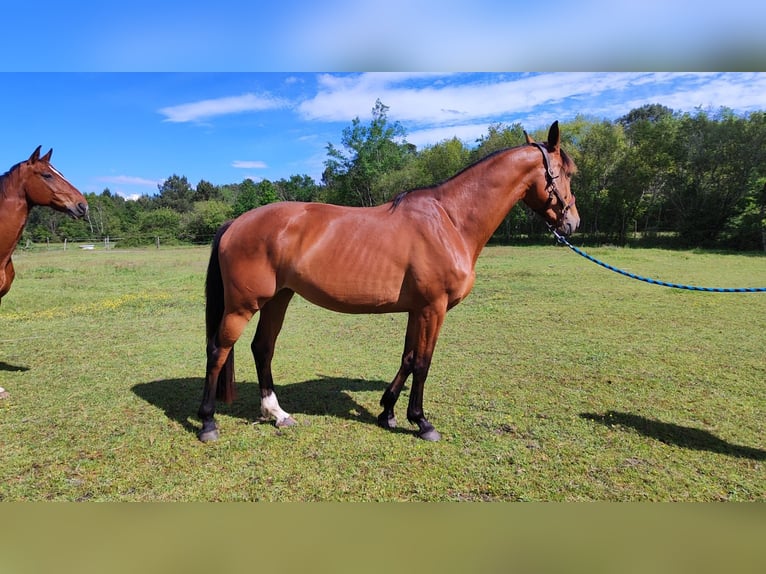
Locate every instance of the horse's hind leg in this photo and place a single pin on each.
(6, 278)
(219, 350)
(216, 359)
(269, 325)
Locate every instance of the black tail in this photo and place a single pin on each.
(214, 307)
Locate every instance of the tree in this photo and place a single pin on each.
(297, 188)
(352, 173)
(163, 222)
(252, 195)
(747, 227)
(716, 159)
(267, 192)
(42, 224)
(247, 198)
(601, 151)
(443, 160)
(651, 113)
(175, 193)
(204, 220)
(206, 191)
(649, 164)
(499, 136)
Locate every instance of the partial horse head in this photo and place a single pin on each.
(550, 195)
(44, 185)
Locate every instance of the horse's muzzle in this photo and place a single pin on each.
(78, 210)
(568, 227)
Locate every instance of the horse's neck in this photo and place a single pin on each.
(478, 199)
(14, 211)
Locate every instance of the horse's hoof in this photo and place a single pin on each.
(288, 422)
(208, 436)
(430, 435)
(386, 422)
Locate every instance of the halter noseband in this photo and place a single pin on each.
(550, 183)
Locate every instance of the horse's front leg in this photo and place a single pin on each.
(415, 412)
(429, 324)
(386, 419)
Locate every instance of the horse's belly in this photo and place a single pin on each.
(350, 290)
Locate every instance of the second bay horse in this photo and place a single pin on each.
(415, 254)
(31, 182)
(28, 183)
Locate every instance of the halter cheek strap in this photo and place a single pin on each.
(546, 162)
(550, 178)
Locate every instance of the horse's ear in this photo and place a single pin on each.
(554, 137)
(35, 155)
(528, 137)
(47, 156)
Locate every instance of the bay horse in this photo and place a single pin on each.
(415, 254)
(28, 183)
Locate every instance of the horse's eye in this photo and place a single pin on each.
(47, 175)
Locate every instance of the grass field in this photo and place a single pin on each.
(555, 380)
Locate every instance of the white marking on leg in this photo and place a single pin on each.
(270, 408)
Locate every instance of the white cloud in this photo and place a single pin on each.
(249, 164)
(129, 196)
(128, 180)
(434, 107)
(468, 133)
(454, 101)
(205, 109)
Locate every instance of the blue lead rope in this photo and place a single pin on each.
(561, 239)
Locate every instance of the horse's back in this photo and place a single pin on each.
(321, 251)
(348, 259)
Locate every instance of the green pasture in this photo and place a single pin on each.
(556, 380)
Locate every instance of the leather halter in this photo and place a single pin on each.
(550, 183)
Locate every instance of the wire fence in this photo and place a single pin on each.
(108, 243)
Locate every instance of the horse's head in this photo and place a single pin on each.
(44, 185)
(550, 194)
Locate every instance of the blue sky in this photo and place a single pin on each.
(130, 131)
(130, 93)
(357, 35)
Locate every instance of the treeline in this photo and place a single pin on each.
(651, 177)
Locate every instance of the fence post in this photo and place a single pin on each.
(158, 242)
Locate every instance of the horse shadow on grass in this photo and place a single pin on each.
(12, 368)
(673, 434)
(323, 396)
